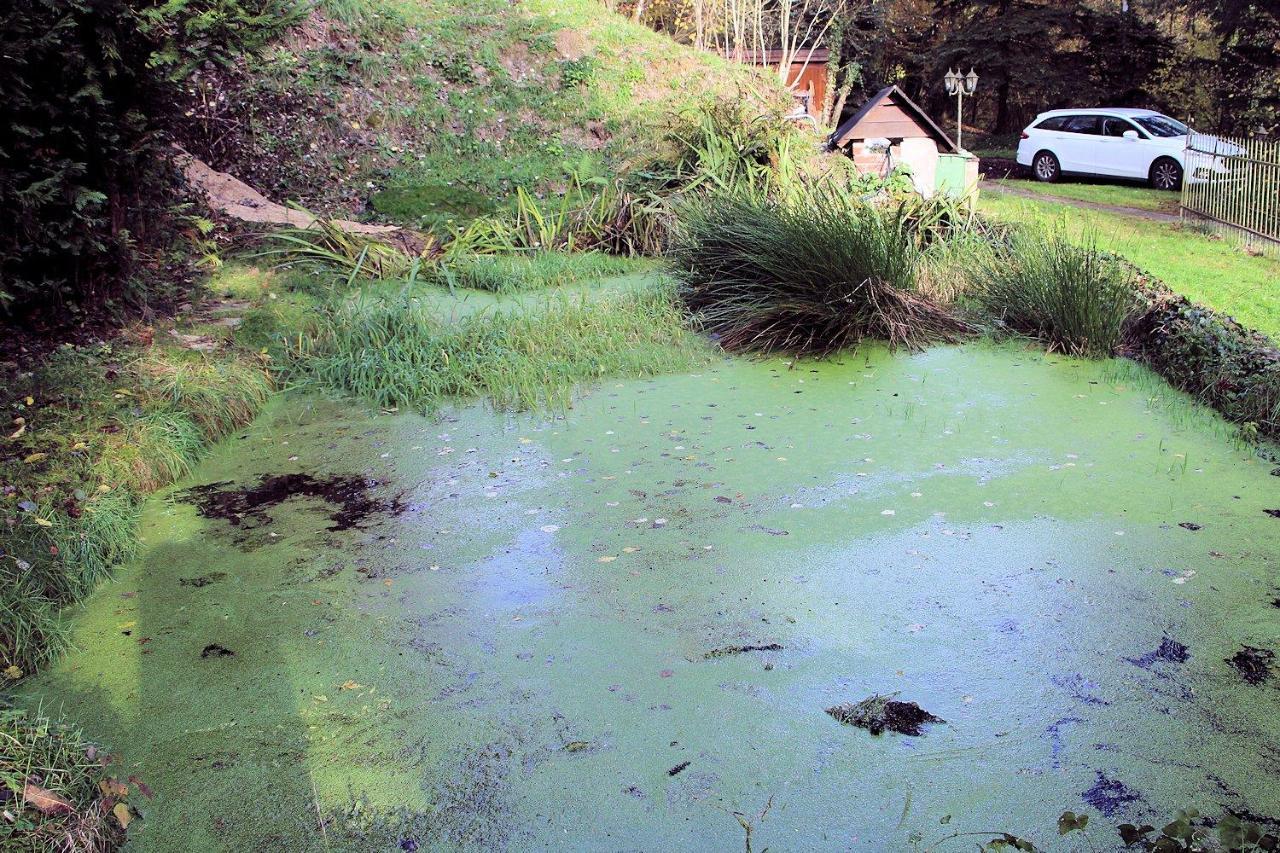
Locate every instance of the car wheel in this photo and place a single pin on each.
(1045, 167)
(1166, 174)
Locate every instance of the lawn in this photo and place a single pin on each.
(1204, 268)
(1119, 194)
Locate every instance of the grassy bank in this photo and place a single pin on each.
(1203, 268)
(1117, 194)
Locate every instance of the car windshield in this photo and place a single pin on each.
(1162, 126)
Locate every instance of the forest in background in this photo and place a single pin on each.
(1211, 62)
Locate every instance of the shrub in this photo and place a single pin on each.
(808, 276)
(1210, 355)
(89, 88)
(1069, 295)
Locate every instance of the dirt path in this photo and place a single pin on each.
(231, 196)
(1135, 212)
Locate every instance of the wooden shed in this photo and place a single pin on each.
(807, 77)
(890, 130)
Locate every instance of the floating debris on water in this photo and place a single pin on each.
(1109, 796)
(727, 651)
(678, 768)
(216, 650)
(202, 580)
(1170, 651)
(877, 713)
(349, 494)
(1254, 665)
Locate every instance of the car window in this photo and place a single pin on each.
(1163, 126)
(1081, 124)
(1112, 126)
(1054, 123)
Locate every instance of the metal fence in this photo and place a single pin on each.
(1234, 185)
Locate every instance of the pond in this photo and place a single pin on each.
(616, 628)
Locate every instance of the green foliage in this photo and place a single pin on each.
(326, 247)
(399, 352)
(727, 145)
(538, 271)
(809, 276)
(578, 72)
(1073, 297)
(434, 207)
(85, 174)
(104, 427)
(1210, 355)
(53, 756)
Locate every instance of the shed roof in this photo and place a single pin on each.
(892, 94)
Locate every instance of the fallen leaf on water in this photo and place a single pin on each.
(351, 685)
(606, 559)
(46, 801)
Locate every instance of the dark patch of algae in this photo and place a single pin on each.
(517, 644)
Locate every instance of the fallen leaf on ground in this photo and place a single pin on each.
(46, 801)
(122, 813)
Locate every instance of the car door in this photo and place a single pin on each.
(1078, 143)
(1119, 156)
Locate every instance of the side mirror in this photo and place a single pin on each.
(1131, 134)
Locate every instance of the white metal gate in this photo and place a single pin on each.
(1234, 184)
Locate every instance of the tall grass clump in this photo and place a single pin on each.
(1067, 294)
(812, 274)
(525, 272)
(401, 353)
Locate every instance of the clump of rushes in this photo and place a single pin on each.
(1067, 294)
(400, 353)
(58, 795)
(813, 274)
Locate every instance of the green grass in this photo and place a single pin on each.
(401, 352)
(1205, 269)
(435, 109)
(813, 274)
(1117, 194)
(1064, 293)
(507, 274)
(100, 427)
(55, 758)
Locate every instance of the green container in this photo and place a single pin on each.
(957, 174)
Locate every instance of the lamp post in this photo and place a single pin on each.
(960, 86)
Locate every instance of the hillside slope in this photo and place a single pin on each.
(418, 111)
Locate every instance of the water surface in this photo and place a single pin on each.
(525, 637)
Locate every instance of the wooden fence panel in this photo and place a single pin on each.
(1235, 185)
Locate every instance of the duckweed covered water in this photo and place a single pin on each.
(615, 629)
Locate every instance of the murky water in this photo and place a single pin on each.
(528, 641)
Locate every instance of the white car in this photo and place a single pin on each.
(1118, 143)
